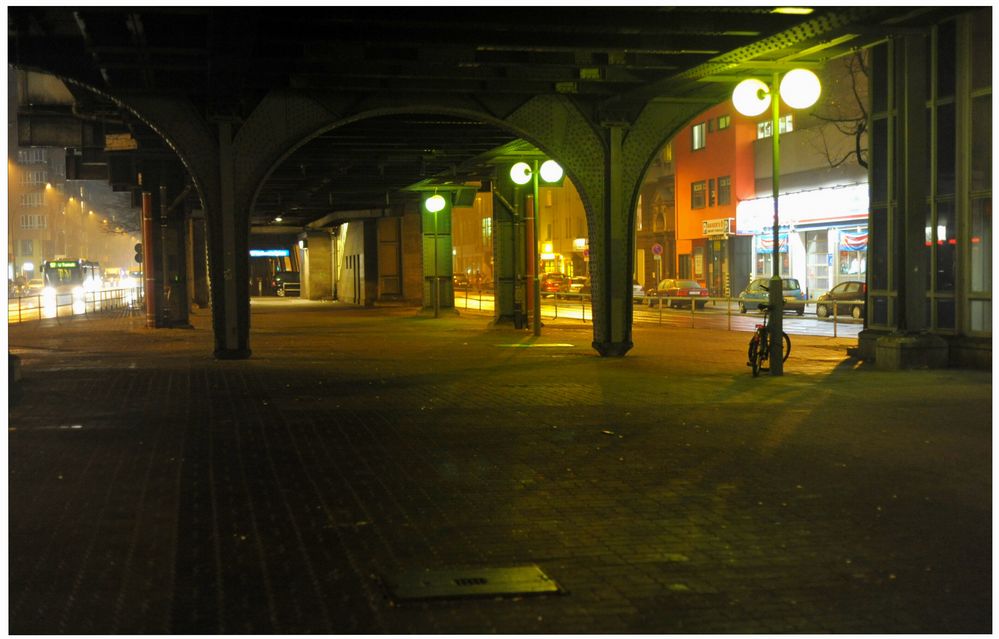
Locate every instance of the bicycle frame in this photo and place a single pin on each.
(759, 346)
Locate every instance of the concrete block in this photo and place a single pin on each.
(13, 369)
(902, 352)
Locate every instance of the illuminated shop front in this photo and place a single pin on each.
(823, 238)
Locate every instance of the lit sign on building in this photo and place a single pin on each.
(716, 227)
(839, 203)
(269, 252)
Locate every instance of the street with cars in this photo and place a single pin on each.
(718, 313)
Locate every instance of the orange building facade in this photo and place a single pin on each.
(714, 163)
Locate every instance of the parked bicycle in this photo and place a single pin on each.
(759, 345)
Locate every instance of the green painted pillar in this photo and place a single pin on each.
(438, 259)
(614, 340)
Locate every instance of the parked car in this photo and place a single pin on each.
(287, 283)
(552, 283)
(579, 284)
(678, 288)
(460, 281)
(843, 292)
(758, 293)
(637, 292)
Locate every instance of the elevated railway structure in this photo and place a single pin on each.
(316, 116)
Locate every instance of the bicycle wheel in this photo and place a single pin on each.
(753, 361)
(787, 346)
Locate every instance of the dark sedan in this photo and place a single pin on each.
(850, 298)
(687, 290)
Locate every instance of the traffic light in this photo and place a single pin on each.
(138, 253)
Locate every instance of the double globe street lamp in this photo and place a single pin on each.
(521, 173)
(799, 89)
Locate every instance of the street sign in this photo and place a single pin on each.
(657, 249)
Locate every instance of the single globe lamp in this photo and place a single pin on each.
(751, 97)
(800, 88)
(551, 171)
(435, 203)
(520, 173)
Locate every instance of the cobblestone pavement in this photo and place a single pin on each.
(153, 489)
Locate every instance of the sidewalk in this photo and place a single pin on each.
(153, 489)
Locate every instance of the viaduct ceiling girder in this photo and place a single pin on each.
(612, 61)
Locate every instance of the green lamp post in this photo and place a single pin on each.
(799, 89)
(521, 173)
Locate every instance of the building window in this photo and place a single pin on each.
(33, 221)
(724, 121)
(27, 247)
(32, 199)
(31, 156)
(724, 190)
(711, 192)
(699, 136)
(33, 177)
(668, 152)
(487, 231)
(697, 193)
(765, 129)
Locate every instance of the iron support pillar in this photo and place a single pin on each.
(616, 256)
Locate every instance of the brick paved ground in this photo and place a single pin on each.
(153, 489)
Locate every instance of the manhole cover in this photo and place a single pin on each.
(456, 583)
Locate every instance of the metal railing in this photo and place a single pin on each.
(26, 308)
(579, 306)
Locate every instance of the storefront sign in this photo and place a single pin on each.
(765, 243)
(120, 142)
(853, 241)
(716, 227)
(831, 205)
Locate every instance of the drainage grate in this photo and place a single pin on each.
(470, 581)
(458, 583)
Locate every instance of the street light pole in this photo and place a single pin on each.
(537, 257)
(800, 89)
(776, 284)
(437, 279)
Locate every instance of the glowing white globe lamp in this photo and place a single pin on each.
(435, 203)
(551, 171)
(520, 173)
(751, 97)
(800, 89)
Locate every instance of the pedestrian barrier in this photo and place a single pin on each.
(58, 306)
(579, 306)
